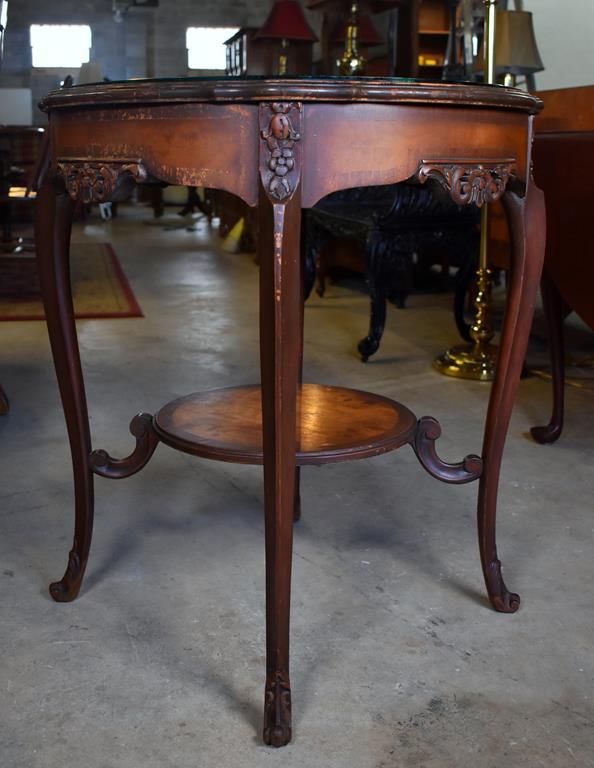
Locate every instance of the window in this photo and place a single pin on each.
(60, 45)
(206, 49)
(3, 20)
(237, 55)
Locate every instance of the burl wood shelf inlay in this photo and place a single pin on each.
(334, 424)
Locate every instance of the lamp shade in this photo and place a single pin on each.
(516, 52)
(515, 45)
(286, 21)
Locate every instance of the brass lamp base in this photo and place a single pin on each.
(352, 64)
(468, 361)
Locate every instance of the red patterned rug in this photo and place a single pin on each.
(99, 285)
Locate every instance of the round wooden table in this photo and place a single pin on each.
(282, 145)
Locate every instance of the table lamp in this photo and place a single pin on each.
(286, 22)
(512, 51)
(359, 30)
(477, 360)
(516, 52)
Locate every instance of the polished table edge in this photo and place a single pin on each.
(228, 90)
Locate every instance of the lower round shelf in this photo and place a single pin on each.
(335, 424)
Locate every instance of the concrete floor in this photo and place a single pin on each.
(397, 659)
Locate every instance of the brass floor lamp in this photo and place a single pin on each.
(477, 360)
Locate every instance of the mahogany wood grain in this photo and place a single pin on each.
(427, 432)
(569, 259)
(280, 266)
(184, 155)
(555, 310)
(526, 220)
(566, 110)
(147, 440)
(52, 238)
(134, 93)
(283, 144)
(387, 143)
(334, 424)
(299, 330)
(565, 139)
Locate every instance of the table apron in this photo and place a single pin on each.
(342, 145)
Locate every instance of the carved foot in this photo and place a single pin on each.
(277, 710)
(547, 434)
(501, 598)
(428, 431)
(66, 590)
(367, 347)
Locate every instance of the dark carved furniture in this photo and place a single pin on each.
(21, 148)
(23, 155)
(393, 223)
(565, 138)
(282, 145)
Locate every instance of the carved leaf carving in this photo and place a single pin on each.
(469, 182)
(96, 182)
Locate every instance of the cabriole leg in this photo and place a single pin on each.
(526, 218)
(555, 309)
(52, 237)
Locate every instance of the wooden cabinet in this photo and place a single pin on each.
(20, 149)
(432, 37)
(422, 39)
(246, 55)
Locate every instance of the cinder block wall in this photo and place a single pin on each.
(146, 43)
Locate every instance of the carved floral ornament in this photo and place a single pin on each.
(467, 181)
(96, 182)
(281, 136)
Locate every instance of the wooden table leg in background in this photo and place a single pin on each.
(555, 310)
(3, 402)
(526, 216)
(52, 237)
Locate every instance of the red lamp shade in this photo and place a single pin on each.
(286, 21)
